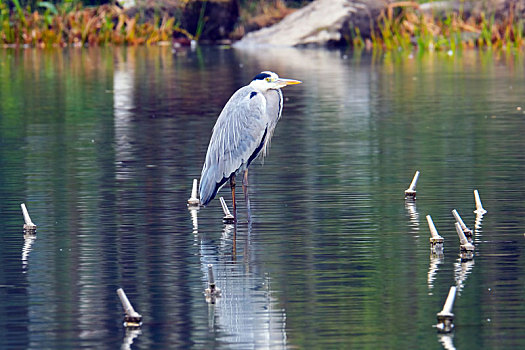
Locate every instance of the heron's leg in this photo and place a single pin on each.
(232, 184)
(246, 196)
(245, 178)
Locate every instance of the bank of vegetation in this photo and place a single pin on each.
(407, 24)
(400, 24)
(71, 23)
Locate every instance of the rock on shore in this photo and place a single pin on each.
(321, 22)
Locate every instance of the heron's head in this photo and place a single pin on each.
(269, 80)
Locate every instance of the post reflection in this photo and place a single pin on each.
(477, 228)
(413, 215)
(228, 239)
(447, 341)
(436, 259)
(129, 337)
(211, 316)
(26, 249)
(462, 268)
(194, 220)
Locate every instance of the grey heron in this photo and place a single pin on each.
(242, 132)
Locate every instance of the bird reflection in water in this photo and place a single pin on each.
(246, 311)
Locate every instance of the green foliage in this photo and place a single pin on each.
(485, 37)
(201, 21)
(357, 39)
(20, 12)
(49, 6)
(402, 26)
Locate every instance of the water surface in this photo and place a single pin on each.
(102, 146)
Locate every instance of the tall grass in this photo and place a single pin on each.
(402, 25)
(71, 24)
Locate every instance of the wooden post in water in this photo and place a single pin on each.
(212, 291)
(132, 318)
(445, 317)
(29, 227)
(466, 230)
(410, 192)
(193, 201)
(228, 217)
(436, 241)
(466, 249)
(479, 207)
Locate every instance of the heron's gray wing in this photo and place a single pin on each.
(237, 138)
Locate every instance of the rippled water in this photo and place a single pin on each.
(102, 146)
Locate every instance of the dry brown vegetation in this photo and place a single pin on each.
(401, 24)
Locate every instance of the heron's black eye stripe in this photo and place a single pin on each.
(253, 94)
(261, 76)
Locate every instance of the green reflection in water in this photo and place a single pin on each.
(102, 144)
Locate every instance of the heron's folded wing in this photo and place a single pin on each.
(237, 138)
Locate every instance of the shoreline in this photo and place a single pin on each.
(402, 25)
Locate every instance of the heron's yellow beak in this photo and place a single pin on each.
(283, 82)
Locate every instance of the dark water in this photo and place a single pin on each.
(102, 146)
